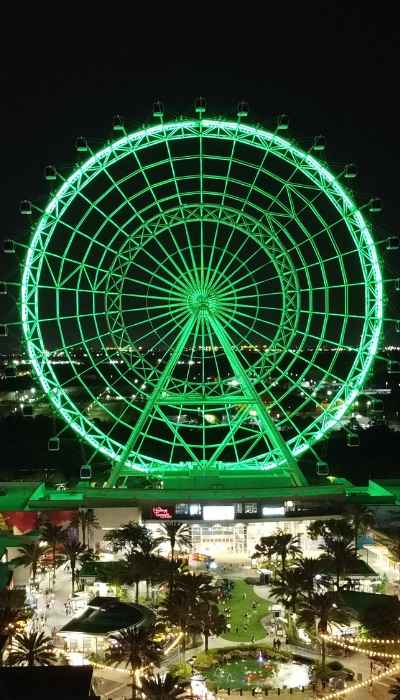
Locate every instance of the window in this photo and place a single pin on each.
(181, 509)
(250, 508)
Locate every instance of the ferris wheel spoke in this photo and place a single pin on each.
(169, 258)
(220, 382)
(285, 375)
(96, 269)
(221, 206)
(305, 335)
(179, 196)
(272, 434)
(250, 189)
(224, 251)
(184, 386)
(152, 400)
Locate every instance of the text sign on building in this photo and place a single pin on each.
(162, 513)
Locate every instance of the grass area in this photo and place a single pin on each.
(241, 605)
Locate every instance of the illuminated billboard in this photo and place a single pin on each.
(218, 512)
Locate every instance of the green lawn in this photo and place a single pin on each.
(239, 606)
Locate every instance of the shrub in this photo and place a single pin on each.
(204, 661)
(183, 671)
(335, 665)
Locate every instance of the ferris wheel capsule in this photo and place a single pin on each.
(50, 173)
(282, 122)
(375, 205)
(8, 246)
(393, 367)
(3, 288)
(243, 109)
(322, 468)
(353, 440)
(53, 444)
(200, 105)
(319, 143)
(81, 144)
(85, 471)
(118, 123)
(25, 207)
(350, 171)
(393, 243)
(158, 109)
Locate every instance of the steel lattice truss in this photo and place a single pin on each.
(203, 279)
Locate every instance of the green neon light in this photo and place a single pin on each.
(202, 233)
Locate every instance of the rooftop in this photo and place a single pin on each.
(46, 683)
(105, 615)
(359, 602)
(218, 488)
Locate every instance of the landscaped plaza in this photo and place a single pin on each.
(276, 621)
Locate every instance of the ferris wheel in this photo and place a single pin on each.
(201, 294)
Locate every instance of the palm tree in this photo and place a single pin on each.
(288, 590)
(177, 610)
(177, 534)
(128, 537)
(12, 604)
(209, 620)
(361, 518)
(73, 550)
(148, 544)
(307, 569)
(30, 555)
(156, 570)
(265, 549)
(163, 687)
(341, 553)
(138, 568)
(31, 649)
(54, 535)
(191, 594)
(286, 546)
(137, 649)
(88, 522)
(198, 587)
(331, 529)
(320, 610)
(175, 568)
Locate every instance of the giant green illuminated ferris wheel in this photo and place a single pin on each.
(200, 295)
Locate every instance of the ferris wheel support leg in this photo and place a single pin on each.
(151, 403)
(267, 423)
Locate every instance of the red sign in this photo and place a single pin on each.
(162, 513)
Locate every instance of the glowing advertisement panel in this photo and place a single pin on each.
(218, 512)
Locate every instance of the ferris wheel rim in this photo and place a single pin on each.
(316, 171)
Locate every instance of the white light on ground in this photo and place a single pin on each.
(76, 659)
(303, 635)
(291, 675)
(199, 688)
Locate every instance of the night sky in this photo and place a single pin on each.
(333, 70)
